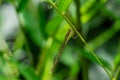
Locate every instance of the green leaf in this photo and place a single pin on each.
(88, 12)
(105, 35)
(117, 59)
(62, 30)
(64, 4)
(32, 27)
(87, 5)
(5, 78)
(27, 72)
(68, 57)
(53, 25)
(22, 5)
(19, 41)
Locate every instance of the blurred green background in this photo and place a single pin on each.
(32, 33)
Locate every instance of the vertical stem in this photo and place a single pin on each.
(78, 14)
(79, 28)
(84, 68)
(29, 54)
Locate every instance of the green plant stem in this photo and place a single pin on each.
(43, 57)
(29, 54)
(78, 14)
(84, 68)
(79, 28)
(80, 36)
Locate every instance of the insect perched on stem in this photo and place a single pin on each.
(59, 54)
